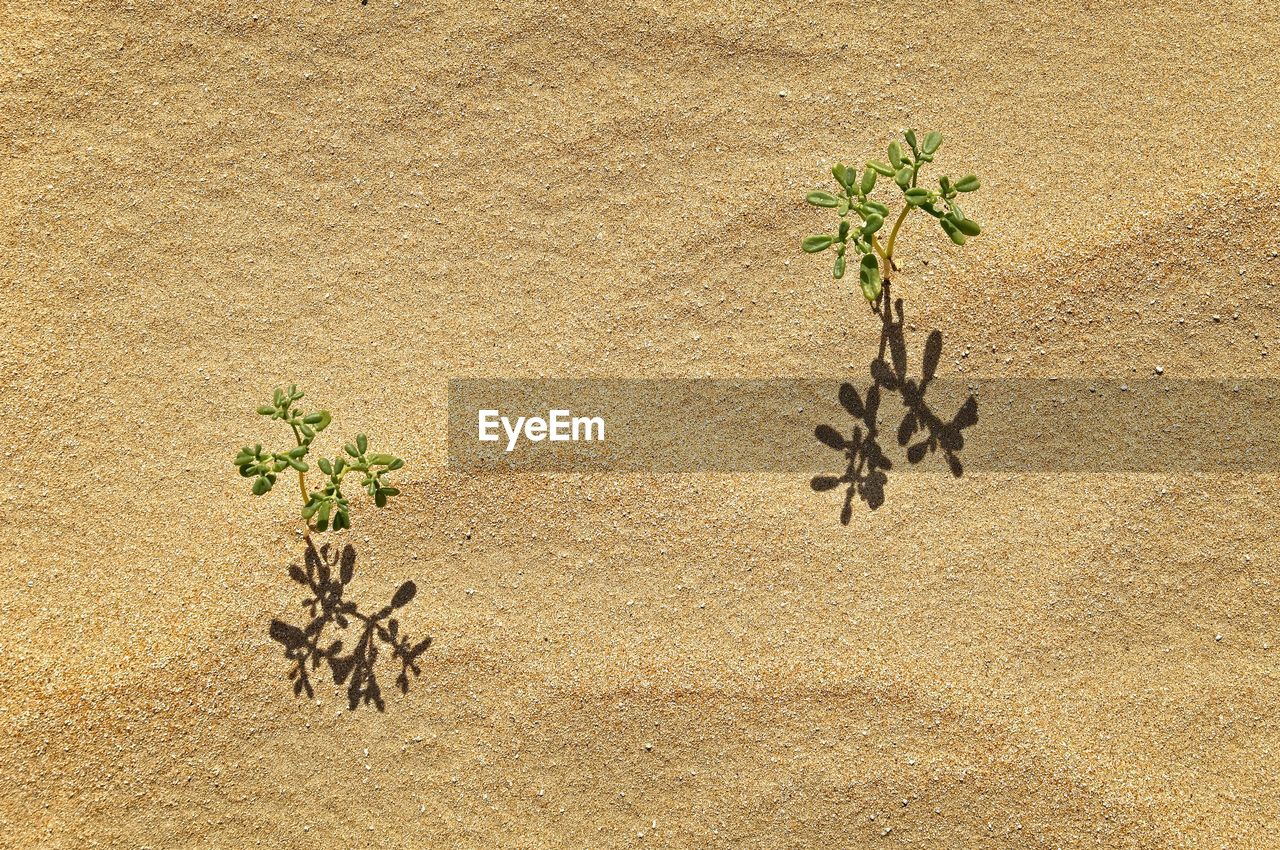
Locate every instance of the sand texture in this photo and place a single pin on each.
(200, 201)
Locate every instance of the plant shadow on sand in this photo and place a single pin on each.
(333, 617)
(866, 472)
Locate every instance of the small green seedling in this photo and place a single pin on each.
(876, 260)
(327, 505)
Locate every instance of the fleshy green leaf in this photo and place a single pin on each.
(868, 180)
(814, 244)
(837, 270)
(869, 277)
(881, 168)
(895, 155)
(821, 199)
(874, 223)
(932, 142)
(952, 231)
(968, 227)
(968, 183)
(362, 443)
(917, 196)
(903, 177)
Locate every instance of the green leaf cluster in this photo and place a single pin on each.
(326, 506)
(861, 221)
(263, 467)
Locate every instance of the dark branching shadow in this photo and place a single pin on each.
(866, 472)
(332, 615)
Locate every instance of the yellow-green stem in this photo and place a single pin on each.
(875, 246)
(302, 476)
(893, 237)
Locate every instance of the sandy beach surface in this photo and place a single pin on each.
(201, 201)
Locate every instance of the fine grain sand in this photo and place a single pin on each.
(199, 201)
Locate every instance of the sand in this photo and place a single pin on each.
(200, 201)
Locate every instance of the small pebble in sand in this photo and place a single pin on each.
(1159, 370)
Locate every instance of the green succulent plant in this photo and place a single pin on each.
(327, 506)
(861, 235)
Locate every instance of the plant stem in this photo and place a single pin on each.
(875, 246)
(893, 237)
(302, 476)
(887, 253)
